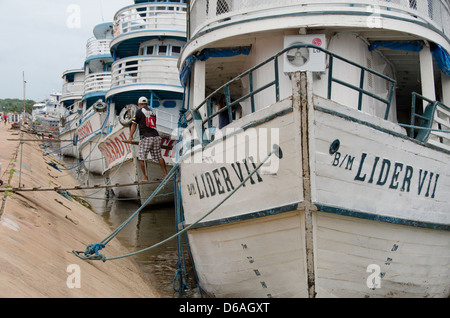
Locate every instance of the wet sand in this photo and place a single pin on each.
(39, 230)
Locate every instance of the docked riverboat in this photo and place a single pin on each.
(315, 154)
(148, 39)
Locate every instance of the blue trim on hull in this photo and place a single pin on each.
(249, 216)
(382, 218)
(326, 209)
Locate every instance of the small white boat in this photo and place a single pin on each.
(45, 116)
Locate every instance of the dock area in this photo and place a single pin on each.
(39, 230)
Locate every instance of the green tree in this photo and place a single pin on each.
(16, 105)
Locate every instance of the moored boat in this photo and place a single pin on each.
(45, 116)
(356, 96)
(72, 93)
(148, 39)
(93, 123)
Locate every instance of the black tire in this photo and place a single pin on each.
(99, 106)
(126, 115)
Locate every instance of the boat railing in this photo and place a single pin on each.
(161, 70)
(208, 14)
(97, 82)
(433, 124)
(72, 89)
(150, 16)
(166, 119)
(96, 47)
(193, 115)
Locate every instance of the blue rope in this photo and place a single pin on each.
(84, 159)
(89, 256)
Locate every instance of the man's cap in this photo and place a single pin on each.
(143, 100)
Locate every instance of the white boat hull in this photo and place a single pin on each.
(123, 167)
(89, 134)
(324, 224)
(68, 148)
(67, 135)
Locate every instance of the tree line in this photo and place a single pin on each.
(11, 105)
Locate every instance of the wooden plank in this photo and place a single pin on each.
(59, 188)
(39, 140)
(137, 143)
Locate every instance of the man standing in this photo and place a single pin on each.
(150, 140)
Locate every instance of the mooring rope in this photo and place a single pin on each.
(92, 250)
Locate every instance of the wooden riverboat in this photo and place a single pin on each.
(146, 44)
(356, 96)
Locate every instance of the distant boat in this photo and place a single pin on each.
(356, 94)
(72, 93)
(45, 116)
(92, 125)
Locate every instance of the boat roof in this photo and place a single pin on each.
(103, 31)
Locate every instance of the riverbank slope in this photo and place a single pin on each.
(39, 230)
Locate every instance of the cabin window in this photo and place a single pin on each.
(155, 104)
(176, 50)
(223, 6)
(170, 104)
(162, 50)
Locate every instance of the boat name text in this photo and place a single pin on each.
(391, 174)
(114, 149)
(84, 131)
(219, 181)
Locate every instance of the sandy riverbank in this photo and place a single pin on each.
(39, 230)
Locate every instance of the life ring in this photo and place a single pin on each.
(99, 106)
(126, 115)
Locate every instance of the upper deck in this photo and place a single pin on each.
(98, 46)
(149, 19)
(73, 85)
(210, 17)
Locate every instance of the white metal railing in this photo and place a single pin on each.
(97, 47)
(97, 82)
(205, 14)
(160, 70)
(72, 89)
(150, 16)
(433, 126)
(166, 119)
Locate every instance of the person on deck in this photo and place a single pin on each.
(150, 141)
(223, 116)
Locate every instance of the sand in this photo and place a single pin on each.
(39, 230)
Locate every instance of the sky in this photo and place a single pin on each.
(43, 39)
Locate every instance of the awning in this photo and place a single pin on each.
(206, 54)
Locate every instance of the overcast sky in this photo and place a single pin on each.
(45, 38)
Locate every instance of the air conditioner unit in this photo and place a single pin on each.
(303, 58)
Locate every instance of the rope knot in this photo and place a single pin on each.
(91, 252)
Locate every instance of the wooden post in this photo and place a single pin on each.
(427, 75)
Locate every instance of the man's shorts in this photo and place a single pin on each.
(150, 145)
